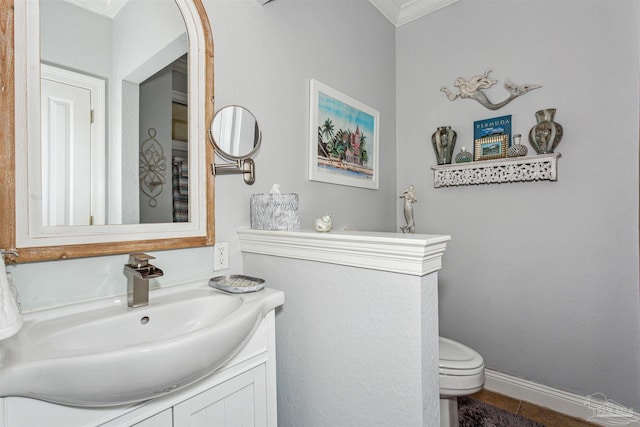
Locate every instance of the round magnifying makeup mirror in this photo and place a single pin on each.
(235, 134)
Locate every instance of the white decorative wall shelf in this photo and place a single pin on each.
(542, 167)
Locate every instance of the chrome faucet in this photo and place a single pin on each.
(138, 272)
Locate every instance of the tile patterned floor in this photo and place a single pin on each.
(536, 413)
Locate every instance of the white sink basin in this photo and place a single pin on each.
(114, 355)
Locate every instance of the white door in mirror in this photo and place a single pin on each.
(72, 159)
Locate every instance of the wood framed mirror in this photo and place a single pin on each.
(30, 234)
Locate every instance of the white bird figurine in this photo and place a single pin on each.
(323, 223)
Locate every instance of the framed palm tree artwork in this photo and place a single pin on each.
(343, 139)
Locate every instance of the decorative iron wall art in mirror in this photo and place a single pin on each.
(175, 40)
(153, 168)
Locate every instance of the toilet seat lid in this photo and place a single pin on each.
(456, 356)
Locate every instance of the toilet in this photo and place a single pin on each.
(461, 374)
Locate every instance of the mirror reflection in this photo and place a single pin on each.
(114, 113)
(235, 133)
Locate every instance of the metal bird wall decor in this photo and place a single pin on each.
(472, 89)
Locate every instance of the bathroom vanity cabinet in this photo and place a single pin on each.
(241, 393)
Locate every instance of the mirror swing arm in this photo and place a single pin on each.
(246, 167)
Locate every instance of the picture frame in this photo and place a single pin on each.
(343, 139)
(493, 126)
(491, 147)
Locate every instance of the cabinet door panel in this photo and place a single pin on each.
(214, 414)
(230, 404)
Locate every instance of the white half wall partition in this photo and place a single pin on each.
(357, 340)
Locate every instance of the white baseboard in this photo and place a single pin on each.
(595, 408)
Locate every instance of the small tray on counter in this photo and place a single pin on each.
(237, 283)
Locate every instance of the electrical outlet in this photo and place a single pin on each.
(220, 256)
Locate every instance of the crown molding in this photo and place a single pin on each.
(399, 12)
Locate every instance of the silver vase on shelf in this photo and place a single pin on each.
(545, 135)
(444, 141)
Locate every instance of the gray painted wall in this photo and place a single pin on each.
(76, 39)
(265, 56)
(540, 278)
(355, 347)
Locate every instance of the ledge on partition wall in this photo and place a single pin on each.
(414, 254)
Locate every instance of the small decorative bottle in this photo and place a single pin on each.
(517, 149)
(463, 156)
